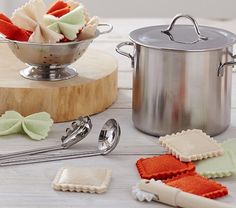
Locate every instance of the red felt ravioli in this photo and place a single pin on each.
(11, 31)
(199, 185)
(162, 167)
(59, 8)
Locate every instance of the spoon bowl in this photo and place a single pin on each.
(109, 137)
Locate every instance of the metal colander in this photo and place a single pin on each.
(50, 62)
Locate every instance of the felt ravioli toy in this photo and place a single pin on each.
(36, 126)
(191, 145)
(199, 185)
(87, 180)
(162, 167)
(221, 166)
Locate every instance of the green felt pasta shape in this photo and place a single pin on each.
(36, 126)
(69, 25)
(222, 166)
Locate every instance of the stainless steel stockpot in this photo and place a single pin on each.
(182, 77)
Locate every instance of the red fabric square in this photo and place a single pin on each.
(162, 167)
(199, 185)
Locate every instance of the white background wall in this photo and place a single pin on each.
(217, 9)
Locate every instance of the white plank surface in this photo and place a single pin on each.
(30, 185)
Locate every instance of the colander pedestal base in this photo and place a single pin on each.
(48, 74)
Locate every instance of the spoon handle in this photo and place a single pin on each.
(30, 152)
(48, 158)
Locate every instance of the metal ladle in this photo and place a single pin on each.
(80, 129)
(109, 138)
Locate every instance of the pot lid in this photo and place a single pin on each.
(183, 37)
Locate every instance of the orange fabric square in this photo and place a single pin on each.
(199, 185)
(162, 167)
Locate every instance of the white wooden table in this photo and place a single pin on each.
(30, 185)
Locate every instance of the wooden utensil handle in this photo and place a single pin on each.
(177, 198)
(187, 200)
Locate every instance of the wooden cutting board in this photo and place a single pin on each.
(94, 90)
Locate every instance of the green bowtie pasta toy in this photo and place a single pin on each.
(36, 126)
(69, 25)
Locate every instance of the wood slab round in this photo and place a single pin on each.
(94, 90)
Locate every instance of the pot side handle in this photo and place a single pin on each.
(123, 53)
(221, 68)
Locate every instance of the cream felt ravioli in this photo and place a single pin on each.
(191, 145)
(87, 180)
(36, 126)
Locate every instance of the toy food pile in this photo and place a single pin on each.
(64, 21)
(176, 168)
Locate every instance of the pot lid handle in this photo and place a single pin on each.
(195, 24)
